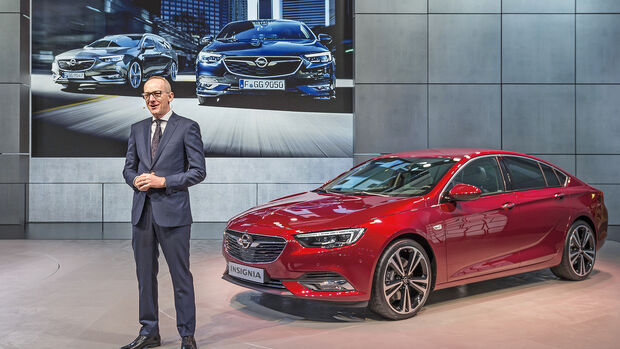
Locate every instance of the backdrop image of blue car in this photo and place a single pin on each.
(89, 61)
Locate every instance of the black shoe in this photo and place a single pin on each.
(188, 342)
(144, 342)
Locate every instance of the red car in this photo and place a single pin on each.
(390, 230)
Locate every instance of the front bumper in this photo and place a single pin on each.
(101, 73)
(298, 267)
(317, 81)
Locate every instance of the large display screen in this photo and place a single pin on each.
(263, 78)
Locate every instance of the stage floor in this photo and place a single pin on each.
(83, 294)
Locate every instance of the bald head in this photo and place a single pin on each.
(158, 95)
(167, 88)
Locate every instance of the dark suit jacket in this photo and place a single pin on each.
(180, 158)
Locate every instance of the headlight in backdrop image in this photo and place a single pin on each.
(112, 59)
(321, 57)
(209, 57)
(330, 239)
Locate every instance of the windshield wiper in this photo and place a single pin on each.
(324, 191)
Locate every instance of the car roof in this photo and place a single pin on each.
(452, 152)
(267, 20)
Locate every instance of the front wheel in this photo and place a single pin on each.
(134, 75)
(579, 253)
(402, 280)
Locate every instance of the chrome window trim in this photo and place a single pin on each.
(497, 156)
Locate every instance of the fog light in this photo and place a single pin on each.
(114, 76)
(322, 87)
(328, 285)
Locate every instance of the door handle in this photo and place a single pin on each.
(558, 196)
(508, 205)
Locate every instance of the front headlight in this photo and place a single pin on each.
(321, 57)
(209, 57)
(330, 239)
(112, 59)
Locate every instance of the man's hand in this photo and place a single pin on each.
(147, 181)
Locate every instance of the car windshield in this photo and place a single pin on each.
(265, 30)
(117, 41)
(392, 176)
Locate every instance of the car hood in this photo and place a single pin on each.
(266, 48)
(313, 211)
(93, 52)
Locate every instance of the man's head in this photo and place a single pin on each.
(158, 95)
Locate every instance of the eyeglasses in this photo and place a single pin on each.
(157, 94)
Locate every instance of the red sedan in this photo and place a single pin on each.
(390, 230)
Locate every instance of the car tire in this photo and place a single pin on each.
(172, 72)
(71, 87)
(134, 75)
(402, 282)
(579, 253)
(208, 100)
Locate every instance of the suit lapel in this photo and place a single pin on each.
(146, 141)
(170, 127)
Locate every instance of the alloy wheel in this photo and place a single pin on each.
(581, 250)
(407, 278)
(135, 75)
(173, 71)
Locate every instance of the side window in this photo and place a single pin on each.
(148, 42)
(561, 176)
(483, 173)
(524, 174)
(552, 179)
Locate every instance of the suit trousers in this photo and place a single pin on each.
(174, 241)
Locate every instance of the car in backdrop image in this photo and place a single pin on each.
(116, 59)
(265, 57)
(391, 230)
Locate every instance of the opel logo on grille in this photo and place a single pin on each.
(72, 62)
(261, 62)
(245, 240)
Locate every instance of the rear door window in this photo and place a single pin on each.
(525, 174)
(552, 179)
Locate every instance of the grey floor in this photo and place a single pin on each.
(83, 294)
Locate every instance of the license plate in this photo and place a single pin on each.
(249, 84)
(246, 273)
(70, 75)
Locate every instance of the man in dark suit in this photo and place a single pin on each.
(164, 157)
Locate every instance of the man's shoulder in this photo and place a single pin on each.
(184, 120)
(141, 122)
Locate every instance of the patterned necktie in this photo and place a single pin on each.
(156, 139)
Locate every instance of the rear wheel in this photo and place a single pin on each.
(402, 280)
(579, 253)
(172, 72)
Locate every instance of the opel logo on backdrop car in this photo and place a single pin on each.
(72, 62)
(261, 62)
(245, 241)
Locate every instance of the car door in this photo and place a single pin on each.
(150, 57)
(540, 214)
(478, 233)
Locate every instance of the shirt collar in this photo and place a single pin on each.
(165, 117)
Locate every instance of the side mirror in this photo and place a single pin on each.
(464, 192)
(206, 40)
(325, 39)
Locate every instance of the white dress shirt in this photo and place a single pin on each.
(164, 122)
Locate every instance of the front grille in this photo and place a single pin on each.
(75, 64)
(275, 66)
(263, 249)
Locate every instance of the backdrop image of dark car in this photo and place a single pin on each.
(265, 58)
(391, 230)
(126, 59)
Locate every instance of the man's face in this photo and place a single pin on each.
(157, 98)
